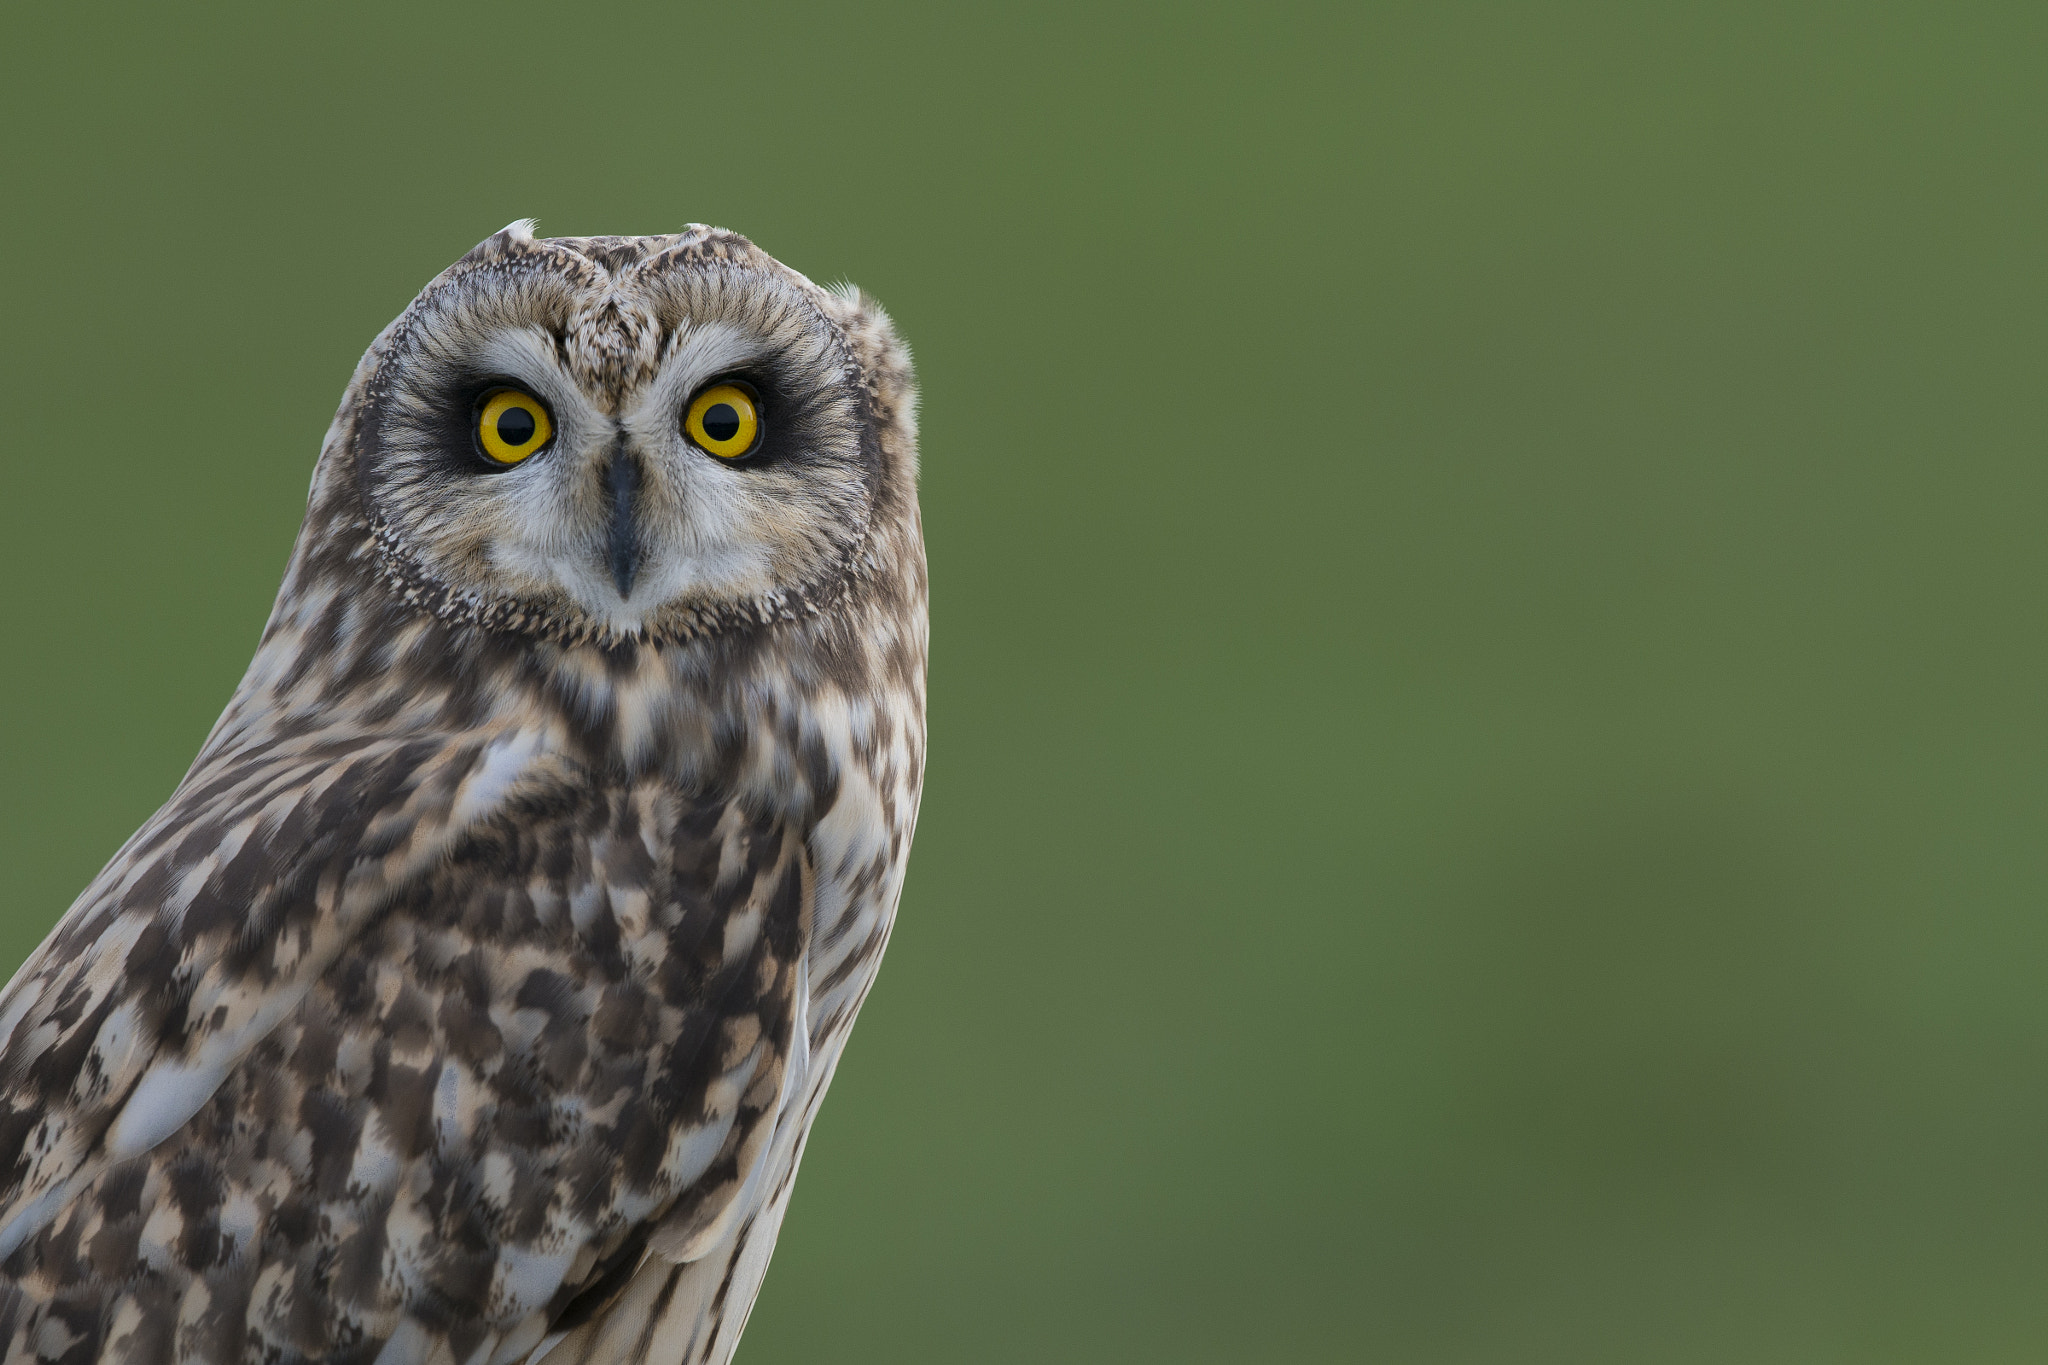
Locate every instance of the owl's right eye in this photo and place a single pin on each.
(511, 426)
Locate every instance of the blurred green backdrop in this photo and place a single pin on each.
(1488, 747)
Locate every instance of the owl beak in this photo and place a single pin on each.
(622, 543)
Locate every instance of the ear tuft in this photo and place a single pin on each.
(506, 241)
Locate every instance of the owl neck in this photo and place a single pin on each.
(778, 709)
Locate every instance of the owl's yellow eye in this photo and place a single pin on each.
(724, 420)
(512, 425)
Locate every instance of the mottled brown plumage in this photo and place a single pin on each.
(472, 996)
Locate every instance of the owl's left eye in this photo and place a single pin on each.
(724, 420)
(511, 426)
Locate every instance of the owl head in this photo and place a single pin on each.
(619, 439)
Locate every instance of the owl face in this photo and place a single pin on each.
(621, 437)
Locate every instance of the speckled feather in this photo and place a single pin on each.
(472, 996)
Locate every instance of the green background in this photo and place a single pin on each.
(1488, 748)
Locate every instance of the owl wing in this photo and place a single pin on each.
(494, 1036)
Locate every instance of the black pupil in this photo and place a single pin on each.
(721, 421)
(515, 426)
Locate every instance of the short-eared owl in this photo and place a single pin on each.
(471, 998)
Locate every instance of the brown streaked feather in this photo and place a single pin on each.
(566, 1036)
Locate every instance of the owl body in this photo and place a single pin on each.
(472, 997)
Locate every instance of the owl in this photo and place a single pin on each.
(471, 998)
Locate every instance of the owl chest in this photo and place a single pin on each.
(829, 779)
(725, 875)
